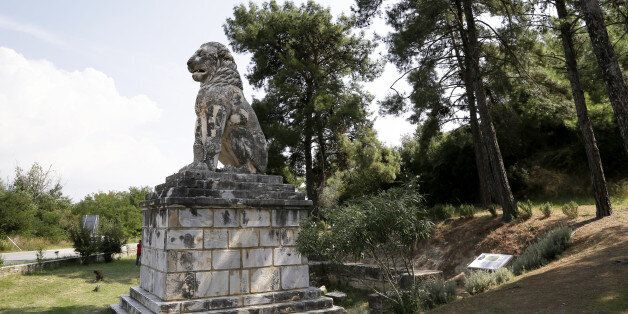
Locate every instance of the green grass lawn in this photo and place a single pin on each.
(68, 289)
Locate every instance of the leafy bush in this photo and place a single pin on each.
(570, 210)
(466, 211)
(441, 212)
(525, 210)
(112, 239)
(84, 243)
(503, 275)
(1, 261)
(385, 228)
(480, 281)
(546, 209)
(437, 292)
(543, 251)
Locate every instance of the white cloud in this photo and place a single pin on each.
(78, 122)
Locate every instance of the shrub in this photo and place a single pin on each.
(84, 243)
(503, 275)
(546, 209)
(1, 261)
(547, 248)
(441, 212)
(376, 227)
(480, 281)
(466, 211)
(571, 210)
(437, 292)
(525, 210)
(112, 239)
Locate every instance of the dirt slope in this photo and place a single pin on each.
(590, 277)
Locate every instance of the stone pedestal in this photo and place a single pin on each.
(221, 242)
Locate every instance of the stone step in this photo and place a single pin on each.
(116, 308)
(156, 305)
(133, 306)
(231, 194)
(333, 310)
(304, 306)
(226, 185)
(225, 176)
(219, 202)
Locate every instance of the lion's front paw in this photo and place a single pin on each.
(196, 166)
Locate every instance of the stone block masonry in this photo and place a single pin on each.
(188, 252)
(211, 250)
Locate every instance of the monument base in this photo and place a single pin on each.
(307, 300)
(221, 242)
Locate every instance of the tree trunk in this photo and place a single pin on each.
(308, 132)
(600, 192)
(507, 201)
(481, 160)
(607, 61)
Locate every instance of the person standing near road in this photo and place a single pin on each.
(138, 253)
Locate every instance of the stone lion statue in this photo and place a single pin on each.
(227, 129)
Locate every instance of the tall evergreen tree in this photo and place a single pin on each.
(310, 66)
(437, 41)
(607, 62)
(598, 181)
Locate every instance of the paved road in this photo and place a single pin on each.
(24, 257)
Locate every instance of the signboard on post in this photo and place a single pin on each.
(489, 261)
(90, 224)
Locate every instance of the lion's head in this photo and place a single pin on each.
(213, 62)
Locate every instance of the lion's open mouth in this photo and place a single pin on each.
(199, 72)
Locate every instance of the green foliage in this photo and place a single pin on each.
(544, 250)
(84, 243)
(466, 211)
(503, 275)
(389, 221)
(427, 295)
(525, 210)
(17, 212)
(441, 212)
(367, 167)
(384, 228)
(480, 281)
(437, 292)
(34, 205)
(310, 66)
(1, 261)
(570, 210)
(112, 239)
(546, 209)
(119, 208)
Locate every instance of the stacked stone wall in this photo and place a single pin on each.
(194, 253)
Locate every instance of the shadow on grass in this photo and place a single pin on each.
(58, 309)
(121, 271)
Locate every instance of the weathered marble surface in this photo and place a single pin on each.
(227, 129)
(223, 241)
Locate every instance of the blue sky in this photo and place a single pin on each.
(100, 90)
